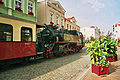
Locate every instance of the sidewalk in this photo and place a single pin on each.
(114, 72)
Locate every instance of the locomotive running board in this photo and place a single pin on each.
(39, 52)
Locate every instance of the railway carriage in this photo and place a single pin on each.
(17, 39)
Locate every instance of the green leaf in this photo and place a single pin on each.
(92, 61)
(111, 50)
(112, 47)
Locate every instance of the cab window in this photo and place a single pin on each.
(6, 32)
(26, 34)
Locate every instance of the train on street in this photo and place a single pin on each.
(26, 42)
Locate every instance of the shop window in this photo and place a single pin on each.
(5, 32)
(18, 5)
(26, 34)
(30, 8)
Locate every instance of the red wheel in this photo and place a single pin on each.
(45, 55)
(62, 54)
(71, 52)
(50, 55)
(67, 52)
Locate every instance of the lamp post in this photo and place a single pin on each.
(45, 11)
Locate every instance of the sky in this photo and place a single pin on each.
(101, 13)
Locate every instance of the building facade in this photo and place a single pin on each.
(50, 11)
(16, 14)
(90, 32)
(116, 31)
(70, 24)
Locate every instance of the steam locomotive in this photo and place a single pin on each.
(54, 42)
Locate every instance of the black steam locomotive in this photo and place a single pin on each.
(53, 42)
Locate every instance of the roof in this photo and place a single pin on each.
(69, 18)
(92, 27)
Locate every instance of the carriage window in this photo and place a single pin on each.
(26, 34)
(5, 32)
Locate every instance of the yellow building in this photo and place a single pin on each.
(50, 11)
(70, 24)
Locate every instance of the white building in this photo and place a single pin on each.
(90, 32)
(116, 32)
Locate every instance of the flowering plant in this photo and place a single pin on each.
(30, 12)
(18, 8)
(62, 26)
(51, 22)
(1, 2)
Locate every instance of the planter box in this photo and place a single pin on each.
(112, 59)
(97, 70)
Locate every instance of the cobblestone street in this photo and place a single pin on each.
(62, 68)
(71, 71)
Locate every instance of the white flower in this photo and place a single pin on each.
(97, 62)
(108, 61)
(103, 56)
(100, 58)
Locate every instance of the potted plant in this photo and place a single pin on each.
(98, 60)
(51, 22)
(30, 12)
(110, 48)
(18, 8)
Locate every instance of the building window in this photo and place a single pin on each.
(51, 17)
(18, 5)
(62, 22)
(26, 34)
(67, 26)
(73, 28)
(30, 8)
(57, 19)
(70, 27)
(5, 32)
(1, 2)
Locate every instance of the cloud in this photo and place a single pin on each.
(95, 4)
